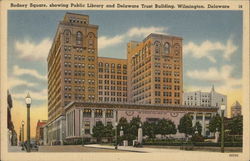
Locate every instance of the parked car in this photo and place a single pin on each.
(33, 146)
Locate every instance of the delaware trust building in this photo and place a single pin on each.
(84, 88)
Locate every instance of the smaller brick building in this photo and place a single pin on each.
(39, 131)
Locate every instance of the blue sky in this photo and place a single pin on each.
(212, 45)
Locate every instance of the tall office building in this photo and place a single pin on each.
(112, 80)
(72, 69)
(72, 64)
(155, 70)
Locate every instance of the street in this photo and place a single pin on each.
(108, 148)
(66, 148)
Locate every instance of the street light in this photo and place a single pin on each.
(82, 135)
(222, 107)
(22, 139)
(28, 103)
(116, 135)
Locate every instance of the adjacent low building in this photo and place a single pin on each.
(235, 109)
(205, 99)
(85, 115)
(39, 131)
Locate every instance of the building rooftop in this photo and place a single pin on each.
(157, 35)
(124, 105)
(236, 104)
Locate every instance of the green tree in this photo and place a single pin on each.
(215, 123)
(98, 131)
(197, 127)
(185, 125)
(124, 124)
(166, 127)
(235, 126)
(149, 129)
(134, 125)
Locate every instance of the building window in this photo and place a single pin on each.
(157, 47)
(86, 113)
(67, 36)
(109, 113)
(86, 127)
(166, 48)
(79, 38)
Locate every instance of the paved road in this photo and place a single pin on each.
(75, 148)
(15, 149)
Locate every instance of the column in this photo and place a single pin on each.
(114, 121)
(81, 121)
(66, 133)
(61, 131)
(194, 118)
(203, 124)
(92, 120)
(104, 116)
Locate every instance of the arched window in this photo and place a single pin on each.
(166, 48)
(66, 36)
(157, 47)
(100, 64)
(91, 37)
(177, 49)
(79, 38)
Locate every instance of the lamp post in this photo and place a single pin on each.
(22, 137)
(62, 137)
(28, 103)
(116, 135)
(82, 135)
(223, 107)
(116, 124)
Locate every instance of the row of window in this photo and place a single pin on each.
(78, 81)
(112, 99)
(112, 82)
(78, 96)
(158, 86)
(112, 88)
(167, 101)
(107, 65)
(107, 93)
(91, 50)
(113, 76)
(98, 113)
(166, 80)
(101, 70)
(169, 94)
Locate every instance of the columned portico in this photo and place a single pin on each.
(85, 115)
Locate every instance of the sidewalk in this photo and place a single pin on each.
(159, 149)
(137, 149)
(15, 149)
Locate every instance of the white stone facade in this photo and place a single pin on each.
(205, 99)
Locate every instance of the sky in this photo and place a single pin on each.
(212, 48)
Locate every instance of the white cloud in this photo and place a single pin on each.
(14, 82)
(104, 41)
(145, 31)
(39, 96)
(29, 50)
(17, 71)
(223, 76)
(206, 49)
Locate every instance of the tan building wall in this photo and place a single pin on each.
(235, 109)
(72, 64)
(112, 80)
(155, 70)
